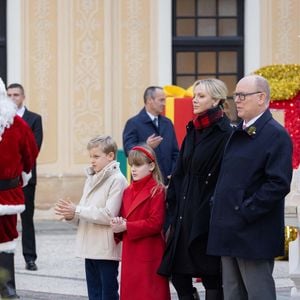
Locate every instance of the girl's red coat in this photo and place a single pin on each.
(143, 242)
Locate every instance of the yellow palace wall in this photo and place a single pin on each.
(85, 66)
(86, 63)
(280, 32)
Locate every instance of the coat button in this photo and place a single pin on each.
(236, 207)
(209, 174)
(206, 182)
(180, 218)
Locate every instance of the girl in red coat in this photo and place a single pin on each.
(140, 225)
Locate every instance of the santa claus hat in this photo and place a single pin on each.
(8, 109)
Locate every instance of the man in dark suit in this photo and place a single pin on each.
(16, 92)
(150, 127)
(247, 221)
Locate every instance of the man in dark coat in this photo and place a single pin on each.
(150, 127)
(16, 92)
(247, 221)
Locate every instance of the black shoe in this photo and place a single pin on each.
(195, 294)
(11, 297)
(31, 266)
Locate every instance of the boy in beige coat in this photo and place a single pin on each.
(101, 200)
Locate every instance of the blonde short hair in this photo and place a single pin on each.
(215, 88)
(105, 142)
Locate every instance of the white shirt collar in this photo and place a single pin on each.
(21, 111)
(252, 121)
(152, 117)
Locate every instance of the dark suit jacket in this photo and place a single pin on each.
(140, 127)
(34, 121)
(247, 218)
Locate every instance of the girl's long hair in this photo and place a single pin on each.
(138, 158)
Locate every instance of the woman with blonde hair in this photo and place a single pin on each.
(189, 193)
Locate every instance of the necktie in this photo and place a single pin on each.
(155, 121)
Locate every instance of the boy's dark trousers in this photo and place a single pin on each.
(102, 279)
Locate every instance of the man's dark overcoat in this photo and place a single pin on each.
(248, 205)
(34, 121)
(191, 187)
(140, 127)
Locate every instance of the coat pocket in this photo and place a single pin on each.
(229, 212)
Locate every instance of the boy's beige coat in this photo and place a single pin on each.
(101, 200)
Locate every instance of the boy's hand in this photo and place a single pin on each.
(65, 208)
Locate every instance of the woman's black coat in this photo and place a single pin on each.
(188, 198)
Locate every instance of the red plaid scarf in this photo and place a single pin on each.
(208, 117)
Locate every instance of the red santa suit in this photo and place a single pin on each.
(18, 152)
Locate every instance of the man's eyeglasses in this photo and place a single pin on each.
(242, 96)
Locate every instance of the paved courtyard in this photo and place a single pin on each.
(60, 275)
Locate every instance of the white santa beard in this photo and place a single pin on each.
(8, 111)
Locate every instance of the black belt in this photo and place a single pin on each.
(7, 184)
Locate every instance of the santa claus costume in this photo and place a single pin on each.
(18, 152)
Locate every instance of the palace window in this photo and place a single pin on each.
(208, 41)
